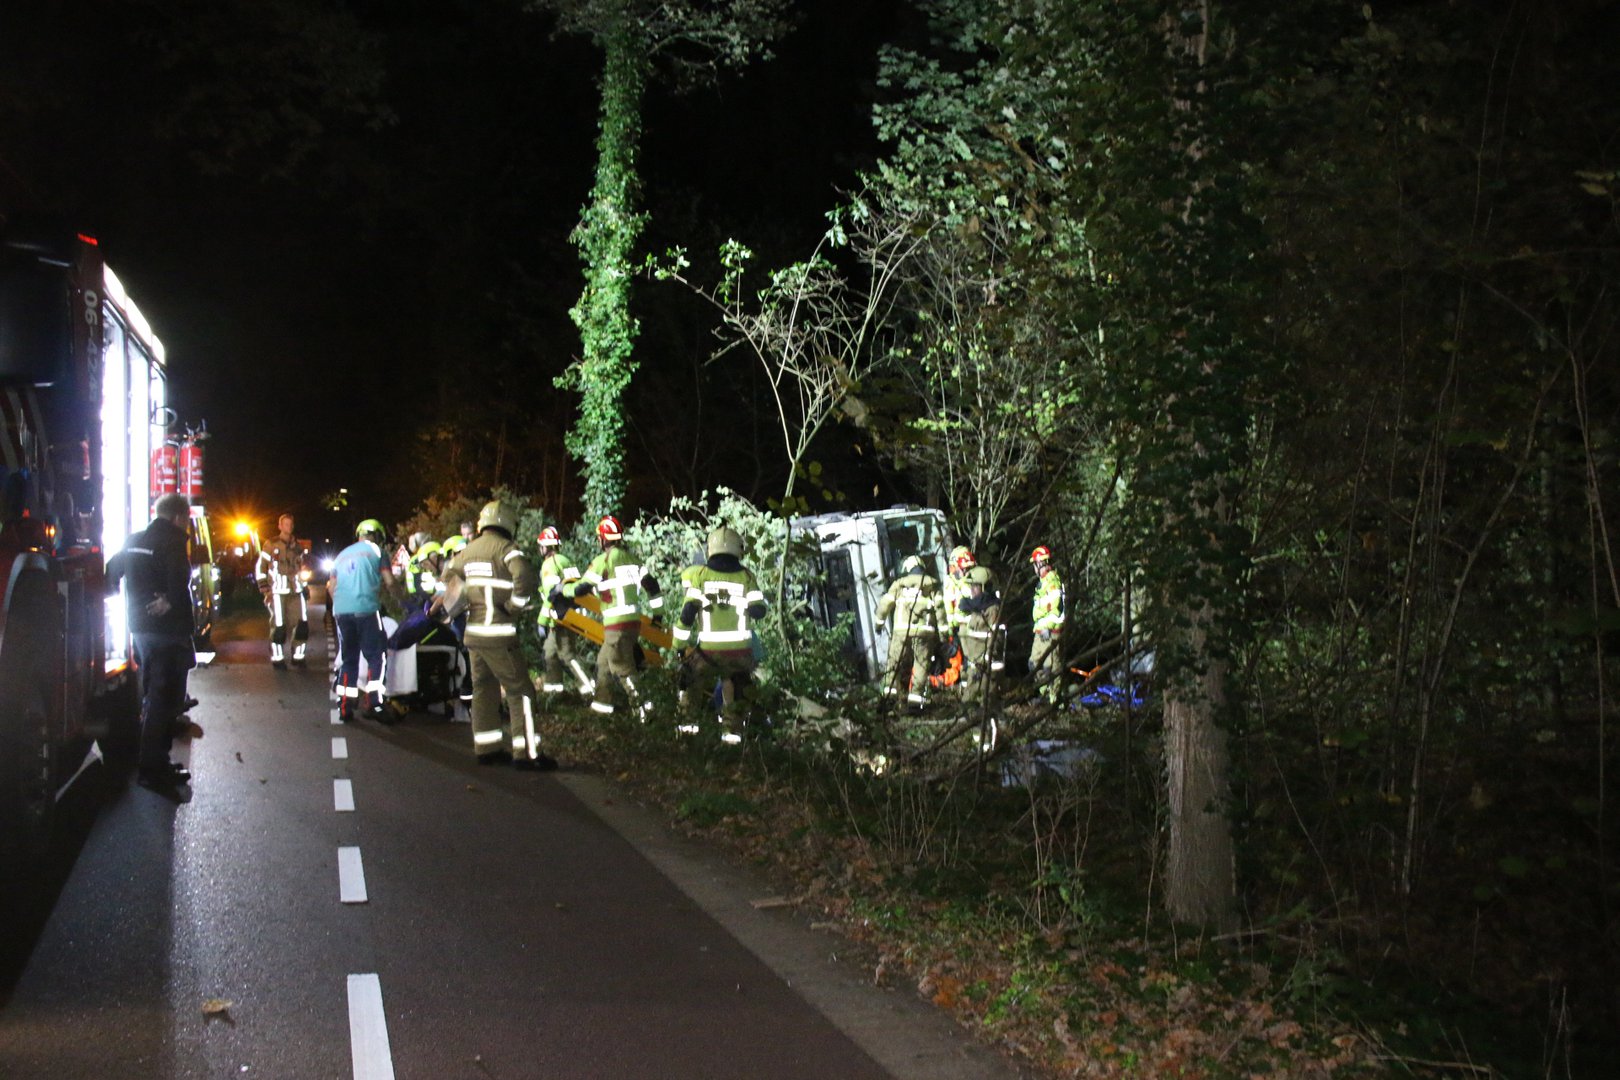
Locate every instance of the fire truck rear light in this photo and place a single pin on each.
(92, 241)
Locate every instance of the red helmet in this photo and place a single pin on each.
(608, 528)
(1041, 554)
(549, 537)
(965, 562)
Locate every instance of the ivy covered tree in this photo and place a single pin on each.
(691, 42)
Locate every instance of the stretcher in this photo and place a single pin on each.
(584, 617)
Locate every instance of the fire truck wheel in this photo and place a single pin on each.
(27, 726)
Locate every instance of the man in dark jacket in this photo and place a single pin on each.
(157, 587)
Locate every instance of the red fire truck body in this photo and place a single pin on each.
(82, 408)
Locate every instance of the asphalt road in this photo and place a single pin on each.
(366, 901)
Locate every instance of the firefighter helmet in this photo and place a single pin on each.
(429, 548)
(725, 541)
(414, 542)
(912, 564)
(1040, 555)
(608, 528)
(453, 544)
(979, 576)
(549, 537)
(497, 515)
(962, 560)
(370, 528)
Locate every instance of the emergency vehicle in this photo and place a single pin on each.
(84, 434)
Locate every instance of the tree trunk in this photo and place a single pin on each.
(1200, 877)
(606, 237)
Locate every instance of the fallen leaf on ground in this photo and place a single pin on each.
(239, 755)
(217, 1007)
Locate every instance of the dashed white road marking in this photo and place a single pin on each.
(368, 1030)
(343, 796)
(336, 718)
(351, 876)
(340, 747)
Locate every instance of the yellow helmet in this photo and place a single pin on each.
(498, 515)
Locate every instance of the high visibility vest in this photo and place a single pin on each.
(723, 598)
(616, 576)
(1048, 607)
(956, 590)
(556, 570)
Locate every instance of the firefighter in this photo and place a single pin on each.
(449, 548)
(625, 591)
(492, 580)
(1045, 651)
(156, 574)
(914, 600)
(276, 572)
(359, 574)
(417, 547)
(722, 598)
(558, 576)
(977, 623)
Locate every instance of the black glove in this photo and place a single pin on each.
(689, 611)
(584, 588)
(560, 601)
(755, 611)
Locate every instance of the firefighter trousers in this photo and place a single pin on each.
(563, 668)
(289, 624)
(496, 666)
(615, 663)
(911, 649)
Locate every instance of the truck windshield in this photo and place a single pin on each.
(911, 534)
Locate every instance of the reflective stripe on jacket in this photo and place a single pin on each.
(616, 577)
(915, 602)
(278, 566)
(555, 570)
(498, 584)
(723, 598)
(1048, 608)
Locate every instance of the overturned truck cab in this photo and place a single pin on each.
(860, 553)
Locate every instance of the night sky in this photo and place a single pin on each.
(337, 272)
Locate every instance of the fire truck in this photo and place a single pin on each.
(84, 423)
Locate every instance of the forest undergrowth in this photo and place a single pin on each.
(1021, 910)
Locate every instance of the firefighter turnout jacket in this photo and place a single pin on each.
(624, 587)
(1047, 610)
(276, 572)
(557, 571)
(720, 602)
(498, 584)
(915, 602)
